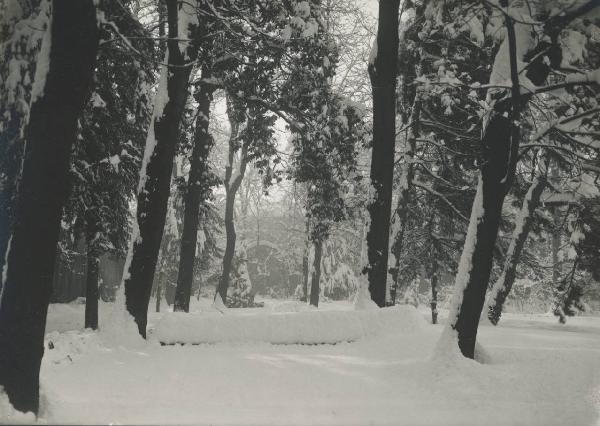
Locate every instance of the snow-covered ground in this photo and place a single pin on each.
(540, 373)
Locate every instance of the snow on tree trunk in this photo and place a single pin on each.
(316, 273)
(504, 284)
(476, 260)
(193, 196)
(382, 71)
(362, 300)
(500, 144)
(61, 87)
(157, 165)
(19, 49)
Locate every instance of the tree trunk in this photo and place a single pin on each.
(231, 188)
(408, 174)
(154, 188)
(91, 290)
(229, 246)
(158, 293)
(305, 265)
(434, 291)
(556, 265)
(316, 274)
(382, 71)
(43, 190)
(257, 227)
(507, 278)
(199, 286)
(500, 143)
(199, 170)
(161, 286)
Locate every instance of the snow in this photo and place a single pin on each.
(525, 43)
(218, 304)
(309, 327)
(42, 64)
(573, 47)
(5, 267)
(8, 415)
(590, 76)
(286, 34)
(373, 54)
(171, 226)
(12, 11)
(362, 300)
(186, 16)
(97, 101)
(302, 9)
(475, 28)
(160, 101)
(311, 29)
(537, 372)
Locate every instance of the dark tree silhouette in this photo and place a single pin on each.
(153, 195)
(383, 71)
(42, 192)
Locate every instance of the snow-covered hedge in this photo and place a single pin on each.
(310, 327)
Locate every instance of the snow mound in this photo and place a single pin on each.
(10, 416)
(311, 327)
(363, 301)
(218, 304)
(293, 306)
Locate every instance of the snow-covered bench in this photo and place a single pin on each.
(308, 327)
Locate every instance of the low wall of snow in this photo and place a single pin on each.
(309, 327)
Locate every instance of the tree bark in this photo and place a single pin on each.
(158, 296)
(305, 265)
(91, 290)
(382, 71)
(500, 143)
(556, 265)
(504, 284)
(406, 180)
(153, 194)
(42, 192)
(229, 246)
(434, 291)
(316, 274)
(199, 170)
(231, 188)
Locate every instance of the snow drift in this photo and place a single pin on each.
(311, 327)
